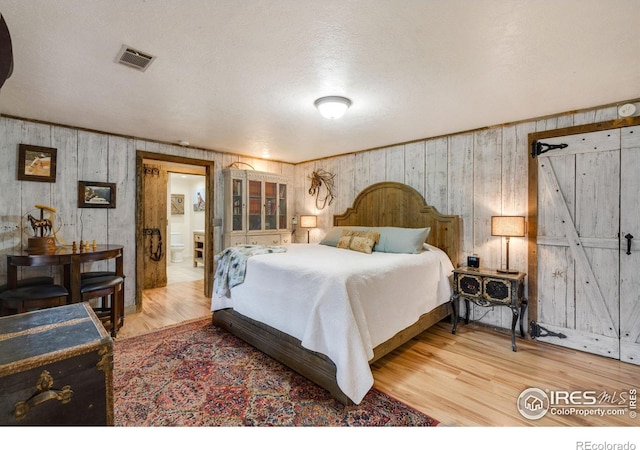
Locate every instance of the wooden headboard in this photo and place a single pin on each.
(391, 204)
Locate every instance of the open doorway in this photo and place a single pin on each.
(186, 193)
(155, 221)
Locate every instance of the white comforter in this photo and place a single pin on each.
(339, 302)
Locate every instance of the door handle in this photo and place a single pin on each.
(628, 237)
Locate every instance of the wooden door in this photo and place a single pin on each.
(154, 187)
(630, 257)
(578, 242)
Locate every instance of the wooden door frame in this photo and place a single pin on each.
(532, 213)
(208, 223)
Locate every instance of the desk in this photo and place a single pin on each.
(72, 265)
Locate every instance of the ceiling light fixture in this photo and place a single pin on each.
(332, 107)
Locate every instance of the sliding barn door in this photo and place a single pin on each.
(630, 246)
(155, 182)
(588, 210)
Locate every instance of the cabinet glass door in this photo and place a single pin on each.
(282, 203)
(236, 213)
(255, 205)
(270, 206)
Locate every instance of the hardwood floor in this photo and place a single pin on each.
(471, 378)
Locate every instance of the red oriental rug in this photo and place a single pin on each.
(196, 374)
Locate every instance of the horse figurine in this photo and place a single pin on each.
(39, 224)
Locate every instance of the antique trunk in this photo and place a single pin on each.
(56, 368)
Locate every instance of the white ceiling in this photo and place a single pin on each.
(242, 75)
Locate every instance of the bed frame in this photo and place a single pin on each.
(382, 204)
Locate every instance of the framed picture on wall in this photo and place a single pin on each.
(177, 204)
(36, 163)
(93, 194)
(198, 204)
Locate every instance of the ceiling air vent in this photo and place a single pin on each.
(134, 58)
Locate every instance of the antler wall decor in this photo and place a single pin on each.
(318, 178)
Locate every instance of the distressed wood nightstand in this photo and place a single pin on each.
(486, 287)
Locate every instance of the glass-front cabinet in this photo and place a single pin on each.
(256, 208)
(237, 199)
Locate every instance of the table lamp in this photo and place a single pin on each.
(507, 226)
(308, 222)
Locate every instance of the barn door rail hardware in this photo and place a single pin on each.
(536, 331)
(538, 148)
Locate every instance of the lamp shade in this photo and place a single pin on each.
(507, 226)
(308, 221)
(332, 107)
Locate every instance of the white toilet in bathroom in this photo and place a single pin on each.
(176, 246)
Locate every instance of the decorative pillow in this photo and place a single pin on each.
(333, 235)
(361, 244)
(401, 240)
(371, 234)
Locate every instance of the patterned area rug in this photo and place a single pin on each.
(196, 374)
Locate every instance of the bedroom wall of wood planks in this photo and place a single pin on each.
(475, 175)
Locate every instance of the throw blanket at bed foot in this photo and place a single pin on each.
(232, 265)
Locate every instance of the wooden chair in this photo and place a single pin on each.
(109, 290)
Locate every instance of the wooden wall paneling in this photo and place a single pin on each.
(299, 186)
(562, 122)
(361, 172)
(514, 190)
(584, 117)
(93, 165)
(304, 203)
(394, 164)
(289, 171)
(487, 196)
(436, 173)
(325, 215)
(377, 166)
(514, 183)
(221, 161)
(298, 205)
(66, 186)
(34, 192)
(344, 183)
(414, 166)
(121, 219)
(460, 188)
(606, 113)
(11, 212)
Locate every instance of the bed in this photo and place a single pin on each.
(279, 310)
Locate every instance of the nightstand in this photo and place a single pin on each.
(486, 287)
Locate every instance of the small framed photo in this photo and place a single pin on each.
(198, 204)
(93, 194)
(36, 163)
(177, 204)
